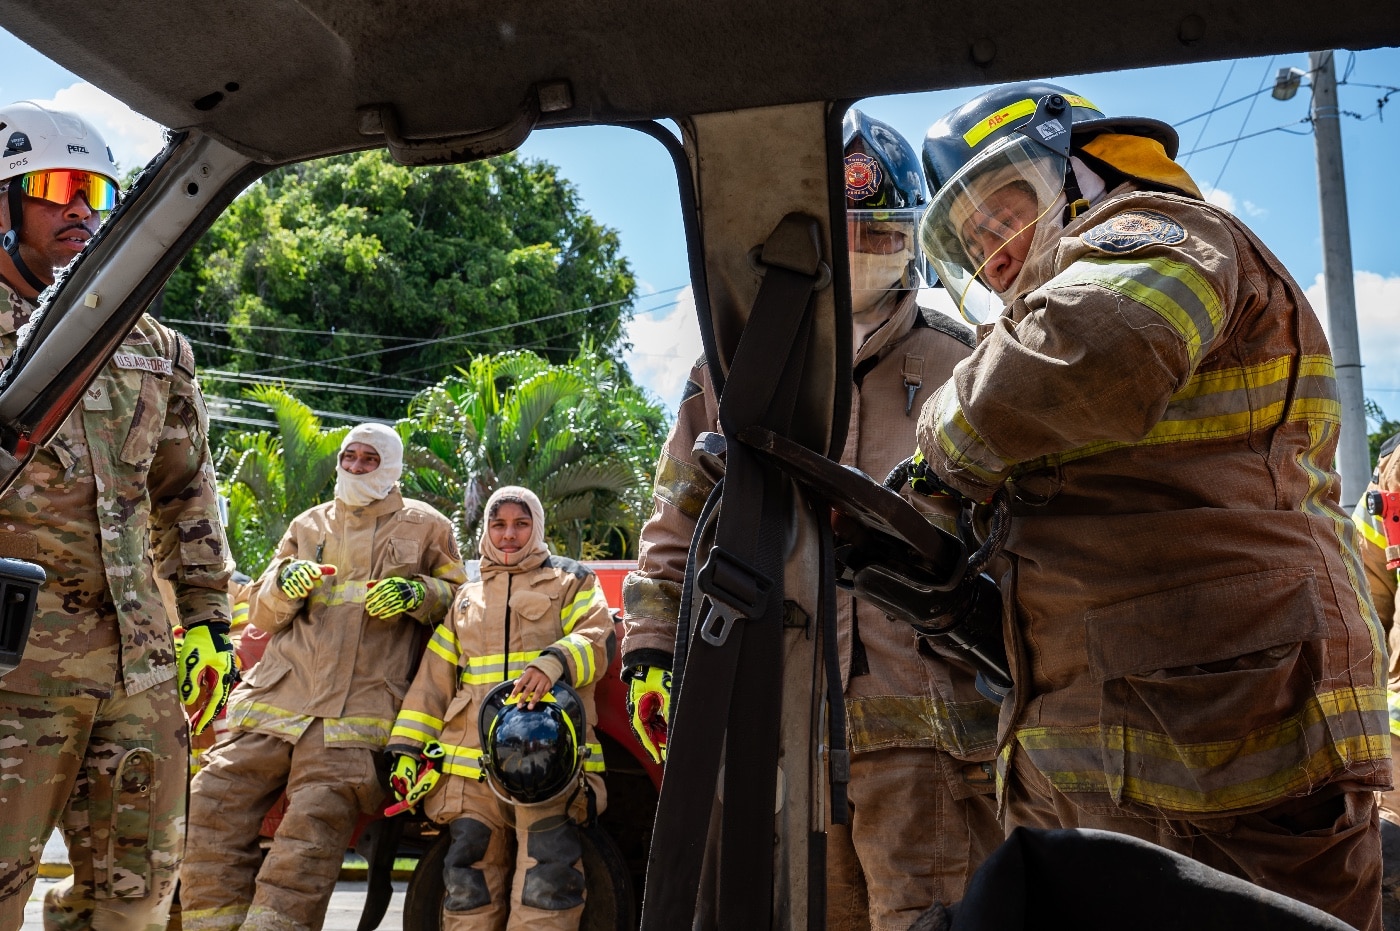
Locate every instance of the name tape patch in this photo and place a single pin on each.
(1132, 230)
(130, 360)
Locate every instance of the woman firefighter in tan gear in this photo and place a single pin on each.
(540, 620)
(348, 600)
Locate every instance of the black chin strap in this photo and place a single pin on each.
(1077, 203)
(10, 242)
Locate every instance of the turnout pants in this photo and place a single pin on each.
(516, 867)
(921, 823)
(1322, 849)
(225, 882)
(111, 772)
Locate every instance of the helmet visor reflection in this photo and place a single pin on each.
(976, 231)
(882, 247)
(60, 186)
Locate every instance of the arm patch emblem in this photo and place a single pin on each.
(1132, 230)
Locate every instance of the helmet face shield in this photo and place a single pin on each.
(882, 247)
(978, 230)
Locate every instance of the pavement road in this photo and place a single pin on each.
(344, 914)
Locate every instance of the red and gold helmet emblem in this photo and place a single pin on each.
(863, 176)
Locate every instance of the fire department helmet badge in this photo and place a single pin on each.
(863, 176)
(1132, 230)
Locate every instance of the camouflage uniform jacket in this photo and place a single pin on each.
(122, 494)
(327, 658)
(547, 608)
(1189, 628)
(895, 695)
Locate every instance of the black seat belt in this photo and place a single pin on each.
(729, 704)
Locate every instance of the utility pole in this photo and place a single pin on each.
(1353, 455)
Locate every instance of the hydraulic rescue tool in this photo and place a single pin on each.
(1386, 506)
(890, 555)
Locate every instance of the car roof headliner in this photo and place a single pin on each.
(303, 68)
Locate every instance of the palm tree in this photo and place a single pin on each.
(270, 479)
(580, 435)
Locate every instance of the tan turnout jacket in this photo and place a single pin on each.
(895, 696)
(1189, 625)
(549, 612)
(327, 658)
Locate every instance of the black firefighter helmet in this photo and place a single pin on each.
(531, 755)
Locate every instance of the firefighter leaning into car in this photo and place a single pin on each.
(922, 810)
(540, 620)
(1195, 657)
(91, 722)
(348, 600)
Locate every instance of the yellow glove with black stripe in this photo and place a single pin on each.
(414, 776)
(394, 596)
(300, 576)
(649, 707)
(207, 673)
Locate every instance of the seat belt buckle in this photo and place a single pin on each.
(735, 590)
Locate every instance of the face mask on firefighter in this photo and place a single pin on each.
(882, 254)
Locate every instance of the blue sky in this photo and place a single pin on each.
(1269, 180)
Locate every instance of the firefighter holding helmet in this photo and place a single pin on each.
(494, 737)
(1196, 660)
(92, 721)
(921, 790)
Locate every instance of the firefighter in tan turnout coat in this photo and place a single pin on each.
(1195, 657)
(922, 739)
(538, 619)
(315, 713)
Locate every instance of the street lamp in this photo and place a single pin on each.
(1287, 82)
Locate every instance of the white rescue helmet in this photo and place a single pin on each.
(54, 156)
(37, 139)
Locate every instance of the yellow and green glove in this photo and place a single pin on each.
(394, 596)
(300, 576)
(207, 672)
(414, 776)
(649, 708)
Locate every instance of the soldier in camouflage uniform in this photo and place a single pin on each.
(93, 731)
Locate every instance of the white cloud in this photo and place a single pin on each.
(664, 347)
(1254, 210)
(1222, 199)
(1378, 325)
(134, 139)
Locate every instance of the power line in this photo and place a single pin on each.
(1215, 106)
(1268, 69)
(461, 336)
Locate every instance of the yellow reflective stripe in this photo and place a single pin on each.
(496, 667)
(1229, 402)
(997, 120)
(335, 593)
(593, 762)
(1369, 524)
(960, 443)
(225, 918)
(416, 726)
(461, 761)
(582, 603)
(1393, 700)
(1155, 770)
(452, 572)
(357, 730)
(1317, 463)
(1175, 290)
(919, 721)
(580, 650)
(682, 485)
(444, 644)
(267, 718)
(240, 614)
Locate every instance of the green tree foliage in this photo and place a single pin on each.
(579, 435)
(443, 263)
(1384, 429)
(271, 478)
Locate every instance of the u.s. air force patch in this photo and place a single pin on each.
(1132, 230)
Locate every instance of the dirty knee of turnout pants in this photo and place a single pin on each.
(226, 882)
(922, 821)
(111, 773)
(514, 866)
